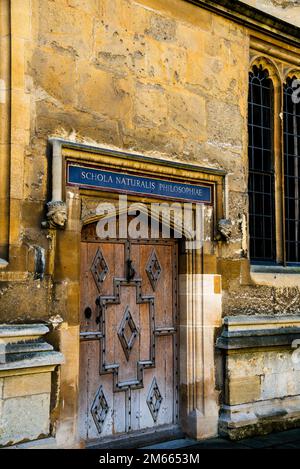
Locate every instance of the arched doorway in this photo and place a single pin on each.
(129, 366)
(199, 287)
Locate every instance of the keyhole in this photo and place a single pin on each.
(88, 313)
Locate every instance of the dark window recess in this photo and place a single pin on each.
(291, 173)
(261, 167)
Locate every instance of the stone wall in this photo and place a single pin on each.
(142, 76)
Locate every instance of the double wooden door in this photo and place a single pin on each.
(128, 337)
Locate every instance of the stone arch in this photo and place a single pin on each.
(198, 319)
(175, 226)
(292, 72)
(269, 65)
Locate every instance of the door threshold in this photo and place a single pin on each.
(138, 439)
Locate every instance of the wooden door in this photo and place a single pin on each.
(128, 355)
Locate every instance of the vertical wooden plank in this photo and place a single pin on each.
(84, 299)
(94, 381)
(83, 403)
(89, 291)
(163, 291)
(176, 323)
(141, 340)
(114, 318)
(83, 398)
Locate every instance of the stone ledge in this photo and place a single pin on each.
(261, 341)
(3, 264)
(274, 269)
(261, 332)
(8, 331)
(43, 443)
(267, 321)
(29, 346)
(33, 360)
(244, 332)
(23, 346)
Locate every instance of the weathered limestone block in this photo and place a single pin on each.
(167, 64)
(261, 382)
(17, 291)
(24, 418)
(26, 385)
(187, 115)
(264, 297)
(224, 123)
(162, 28)
(150, 107)
(26, 365)
(243, 390)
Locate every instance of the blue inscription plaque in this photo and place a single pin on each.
(94, 178)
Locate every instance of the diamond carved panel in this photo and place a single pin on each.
(99, 268)
(154, 399)
(99, 409)
(153, 269)
(127, 332)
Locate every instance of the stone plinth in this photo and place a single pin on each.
(26, 365)
(261, 384)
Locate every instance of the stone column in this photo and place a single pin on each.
(200, 308)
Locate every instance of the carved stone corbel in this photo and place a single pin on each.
(3, 263)
(224, 228)
(56, 215)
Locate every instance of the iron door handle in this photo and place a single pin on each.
(130, 271)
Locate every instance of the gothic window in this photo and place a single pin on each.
(291, 117)
(261, 167)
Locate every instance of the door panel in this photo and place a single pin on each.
(128, 365)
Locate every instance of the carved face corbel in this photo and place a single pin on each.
(56, 215)
(224, 228)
